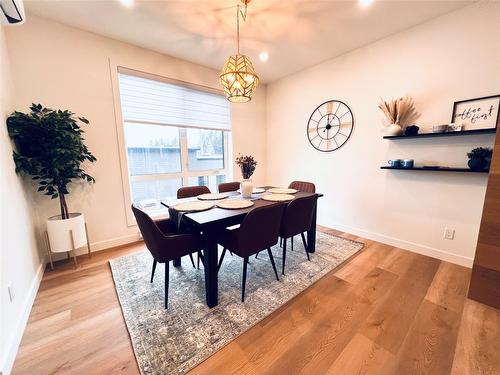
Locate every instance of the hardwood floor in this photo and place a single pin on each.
(385, 311)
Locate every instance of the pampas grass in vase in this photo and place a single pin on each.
(399, 113)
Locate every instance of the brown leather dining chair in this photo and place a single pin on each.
(307, 187)
(297, 219)
(227, 187)
(258, 231)
(189, 192)
(192, 191)
(164, 243)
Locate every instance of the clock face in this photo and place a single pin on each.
(330, 126)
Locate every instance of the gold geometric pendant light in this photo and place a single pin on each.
(238, 76)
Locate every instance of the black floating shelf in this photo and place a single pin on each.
(444, 134)
(437, 169)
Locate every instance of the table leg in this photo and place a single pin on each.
(177, 262)
(210, 266)
(311, 233)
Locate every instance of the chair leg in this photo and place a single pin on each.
(281, 241)
(154, 269)
(244, 280)
(292, 243)
(202, 259)
(231, 253)
(284, 257)
(305, 246)
(166, 283)
(272, 262)
(256, 255)
(221, 259)
(192, 260)
(198, 260)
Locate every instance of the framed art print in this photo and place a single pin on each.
(480, 113)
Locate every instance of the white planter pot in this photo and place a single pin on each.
(393, 129)
(66, 235)
(246, 187)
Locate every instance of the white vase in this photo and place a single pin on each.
(246, 188)
(60, 232)
(393, 129)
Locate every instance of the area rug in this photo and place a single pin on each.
(175, 340)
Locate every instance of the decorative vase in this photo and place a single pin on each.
(477, 164)
(246, 187)
(68, 234)
(394, 129)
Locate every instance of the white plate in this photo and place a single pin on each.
(255, 190)
(282, 191)
(212, 197)
(235, 204)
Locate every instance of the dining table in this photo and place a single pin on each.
(211, 222)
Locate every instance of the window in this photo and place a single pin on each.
(174, 135)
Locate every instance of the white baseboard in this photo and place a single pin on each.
(20, 325)
(113, 242)
(407, 245)
(101, 245)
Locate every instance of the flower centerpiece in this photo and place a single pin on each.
(247, 166)
(399, 113)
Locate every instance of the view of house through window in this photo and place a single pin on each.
(174, 136)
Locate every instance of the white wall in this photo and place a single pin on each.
(453, 57)
(67, 68)
(20, 263)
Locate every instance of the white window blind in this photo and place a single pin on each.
(149, 101)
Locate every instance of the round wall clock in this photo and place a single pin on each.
(330, 126)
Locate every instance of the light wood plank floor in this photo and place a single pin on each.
(385, 311)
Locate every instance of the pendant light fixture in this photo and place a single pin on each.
(238, 76)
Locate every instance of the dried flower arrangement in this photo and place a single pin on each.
(247, 165)
(399, 111)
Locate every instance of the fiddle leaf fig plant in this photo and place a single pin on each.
(50, 148)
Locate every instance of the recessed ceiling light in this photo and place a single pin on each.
(264, 56)
(127, 3)
(365, 3)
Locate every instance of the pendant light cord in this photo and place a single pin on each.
(244, 16)
(238, 26)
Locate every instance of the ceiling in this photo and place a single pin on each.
(295, 33)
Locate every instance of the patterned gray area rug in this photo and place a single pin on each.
(175, 340)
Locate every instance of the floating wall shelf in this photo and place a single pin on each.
(445, 134)
(437, 169)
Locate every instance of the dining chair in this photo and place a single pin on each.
(297, 219)
(192, 191)
(164, 243)
(307, 187)
(258, 231)
(227, 187)
(189, 192)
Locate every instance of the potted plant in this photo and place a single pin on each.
(479, 158)
(398, 112)
(247, 166)
(50, 148)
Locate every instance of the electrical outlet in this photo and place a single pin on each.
(10, 288)
(449, 233)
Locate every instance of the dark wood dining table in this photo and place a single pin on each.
(212, 221)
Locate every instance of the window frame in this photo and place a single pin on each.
(185, 173)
